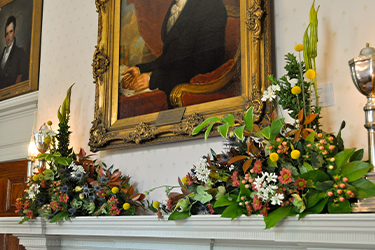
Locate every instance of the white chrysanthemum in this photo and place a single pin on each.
(201, 170)
(277, 199)
(272, 177)
(31, 194)
(270, 93)
(34, 188)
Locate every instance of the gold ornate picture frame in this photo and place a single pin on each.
(28, 15)
(109, 131)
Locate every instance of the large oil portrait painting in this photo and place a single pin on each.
(20, 22)
(163, 66)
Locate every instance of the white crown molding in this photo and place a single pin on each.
(322, 231)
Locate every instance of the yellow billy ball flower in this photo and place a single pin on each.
(310, 74)
(274, 157)
(115, 190)
(36, 177)
(184, 179)
(126, 206)
(298, 47)
(156, 204)
(47, 140)
(49, 123)
(295, 154)
(296, 90)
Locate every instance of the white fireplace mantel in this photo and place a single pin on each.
(337, 231)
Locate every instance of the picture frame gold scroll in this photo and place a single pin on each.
(27, 33)
(128, 117)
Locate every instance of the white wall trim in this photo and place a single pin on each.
(322, 231)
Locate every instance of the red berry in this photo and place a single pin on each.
(342, 185)
(339, 191)
(345, 179)
(341, 199)
(330, 193)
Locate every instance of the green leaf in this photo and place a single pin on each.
(342, 157)
(239, 132)
(41, 156)
(249, 119)
(324, 186)
(365, 188)
(202, 196)
(176, 215)
(208, 130)
(62, 161)
(317, 209)
(245, 191)
(233, 211)
(266, 132)
(310, 138)
(276, 126)
(313, 197)
(275, 216)
(229, 119)
(198, 128)
(357, 156)
(23, 220)
(355, 170)
(59, 216)
(223, 130)
(223, 201)
(339, 207)
(315, 175)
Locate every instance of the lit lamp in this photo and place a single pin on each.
(362, 69)
(32, 153)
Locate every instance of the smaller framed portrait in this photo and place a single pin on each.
(20, 22)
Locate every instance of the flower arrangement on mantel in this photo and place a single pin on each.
(75, 185)
(280, 170)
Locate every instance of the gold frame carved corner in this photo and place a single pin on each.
(100, 64)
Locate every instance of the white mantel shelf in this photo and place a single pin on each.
(337, 231)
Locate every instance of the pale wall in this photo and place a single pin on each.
(69, 36)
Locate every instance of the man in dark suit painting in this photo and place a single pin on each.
(193, 36)
(13, 68)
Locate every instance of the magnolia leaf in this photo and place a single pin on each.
(208, 130)
(318, 208)
(176, 215)
(223, 130)
(300, 116)
(229, 119)
(313, 197)
(223, 201)
(275, 216)
(239, 132)
(355, 170)
(59, 216)
(198, 128)
(324, 186)
(249, 119)
(309, 119)
(236, 159)
(342, 157)
(315, 175)
(339, 207)
(365, 188)
(232, 211)
(246, 165)
(357, 156)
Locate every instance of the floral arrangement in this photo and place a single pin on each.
(279, 169)
(74, 185)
